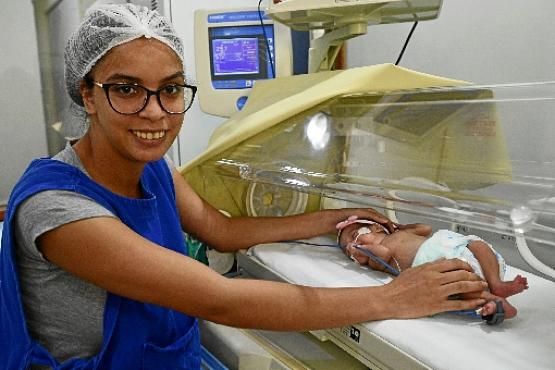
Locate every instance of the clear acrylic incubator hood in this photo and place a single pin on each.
(417, 147)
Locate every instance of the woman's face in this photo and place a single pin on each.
(147, 135)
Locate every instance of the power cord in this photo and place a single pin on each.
(266, 40)
(406, 43)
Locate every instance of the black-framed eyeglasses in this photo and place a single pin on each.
(131, 98)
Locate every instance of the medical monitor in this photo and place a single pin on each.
(234, 49)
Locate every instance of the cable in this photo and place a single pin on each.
(406, 43)
(364, 251)
(266, 40)
(529, 257)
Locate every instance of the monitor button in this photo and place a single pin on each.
(241, 102)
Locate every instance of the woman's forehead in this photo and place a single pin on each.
(138, 57)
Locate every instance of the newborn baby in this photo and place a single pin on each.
(414, 244)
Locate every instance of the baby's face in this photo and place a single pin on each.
(361, 234)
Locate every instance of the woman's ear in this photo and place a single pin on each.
(88, 98)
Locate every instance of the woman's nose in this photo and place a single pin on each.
(152, 109)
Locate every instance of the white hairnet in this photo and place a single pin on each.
(106, 26)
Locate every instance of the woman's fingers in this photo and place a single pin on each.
(462, 304)
(459, 275)
(445, 265)
(485, 294)
(389, 225)
(373, 215)
(428, 289)
(462, 287)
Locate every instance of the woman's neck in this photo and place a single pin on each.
(114, 172)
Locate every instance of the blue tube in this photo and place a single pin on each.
(366, 252)
(377, 259)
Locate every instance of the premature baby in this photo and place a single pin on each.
(414, 244)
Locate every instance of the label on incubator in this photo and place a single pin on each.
(351, 332)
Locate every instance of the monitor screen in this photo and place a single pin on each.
(235, 56)
(239, 55)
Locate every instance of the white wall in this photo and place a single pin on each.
(482, 41)
(22, 128)
(198, 126)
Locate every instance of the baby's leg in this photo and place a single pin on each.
(490, 307)
(490, 267)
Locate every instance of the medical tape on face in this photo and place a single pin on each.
(355, 220)
(363, 231)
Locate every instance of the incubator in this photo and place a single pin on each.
(419, 148)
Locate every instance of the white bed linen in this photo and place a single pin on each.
(445, 341)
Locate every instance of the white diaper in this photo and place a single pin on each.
(449, 244)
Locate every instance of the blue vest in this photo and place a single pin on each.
(136, 335)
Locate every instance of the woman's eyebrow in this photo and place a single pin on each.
(175, 75)
(121, 76)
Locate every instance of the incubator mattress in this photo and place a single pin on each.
(445, 341)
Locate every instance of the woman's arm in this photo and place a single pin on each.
(107, 253)
(231, 234)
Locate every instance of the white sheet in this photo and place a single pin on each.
(445, 341)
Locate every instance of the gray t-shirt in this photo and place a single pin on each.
(63, 312)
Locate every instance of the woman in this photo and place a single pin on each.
(93, 267)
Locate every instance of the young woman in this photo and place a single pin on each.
(93, 264)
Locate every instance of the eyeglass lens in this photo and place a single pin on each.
(128, 98)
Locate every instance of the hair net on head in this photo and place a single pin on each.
(106, 26)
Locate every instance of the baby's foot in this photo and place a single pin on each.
(508, 288)
(490, 308)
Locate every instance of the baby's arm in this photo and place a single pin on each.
(378, 250)
(418, 229)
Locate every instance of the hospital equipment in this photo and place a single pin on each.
(233, 50)
(417, 147)
(337, 21)
(421, 149)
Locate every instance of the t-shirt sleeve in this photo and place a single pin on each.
(169, 162)
(48, 210)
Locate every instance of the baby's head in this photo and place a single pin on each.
(351, 230)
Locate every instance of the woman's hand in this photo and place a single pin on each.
(369, 214)
(425, 290)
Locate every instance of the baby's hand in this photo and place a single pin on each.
(376, 249)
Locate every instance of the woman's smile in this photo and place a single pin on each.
(149, 135)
